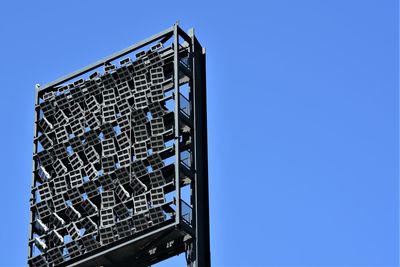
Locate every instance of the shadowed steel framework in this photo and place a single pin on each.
(120, 173)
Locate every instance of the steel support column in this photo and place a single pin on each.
(178, 212)
(201, 206)
(34, 165)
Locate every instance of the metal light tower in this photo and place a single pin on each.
(120, 173)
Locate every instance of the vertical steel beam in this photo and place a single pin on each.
(201, 204)
(34, 167)
(176, 125)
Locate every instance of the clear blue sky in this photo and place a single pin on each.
(303, 118)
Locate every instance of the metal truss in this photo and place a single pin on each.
(115, 146)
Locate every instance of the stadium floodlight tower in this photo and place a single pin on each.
(120, 173)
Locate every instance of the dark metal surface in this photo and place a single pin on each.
(202, 252)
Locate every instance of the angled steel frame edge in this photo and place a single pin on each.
(116, 55)
(33, 180)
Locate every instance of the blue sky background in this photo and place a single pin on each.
(302, 109)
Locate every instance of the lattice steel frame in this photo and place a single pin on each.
(188, 228)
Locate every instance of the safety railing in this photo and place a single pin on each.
(184, 105)
(186, 212)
